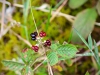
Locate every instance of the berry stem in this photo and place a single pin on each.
(33, 18)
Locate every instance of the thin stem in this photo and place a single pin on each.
(25, 41)
(33, 18)
(38, 65)
(50, 69)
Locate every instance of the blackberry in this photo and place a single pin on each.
(33, 38)
(47, 43)
(33, 35)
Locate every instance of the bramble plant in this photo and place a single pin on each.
(53, 53)
(48, 52)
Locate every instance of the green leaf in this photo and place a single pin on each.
(68, 51)
(90, 42)
(13, 65)
(76, 3)
(82, 38)
(84, 24)
(53, 58)
(53, 46)
(87, 73)
(27, 71)
(27, 56)
(48, 21)
(69, 62)
(61, 58)
(70, 37)
(98, 7)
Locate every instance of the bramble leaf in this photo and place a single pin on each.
(13, 65)
(53, 58)
(68, 51)
(53, 46)
(27, 56)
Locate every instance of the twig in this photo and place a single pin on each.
(68, 17)
(25, 41)
(6, 2)
(5, 31)
(50, 69)
(54, 15)
(98, 24)
(39, 65)
(3, 16)
(19, 5)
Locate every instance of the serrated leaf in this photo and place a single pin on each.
(87, 73)
(53, 46)
(98, 7)
(90, 42)
(84, 24)
(53, 58)
(68, 51)
(76, 3)
(61, 58)
(27, 56)
(13, 65)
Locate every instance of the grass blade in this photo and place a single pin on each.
(90, 42)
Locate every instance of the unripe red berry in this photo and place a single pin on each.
(42, 34)
(35, 48)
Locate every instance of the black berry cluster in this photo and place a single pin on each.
(33, 35)
(35, 48)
